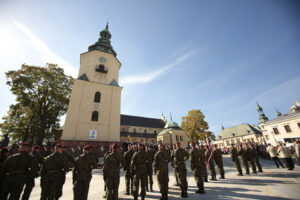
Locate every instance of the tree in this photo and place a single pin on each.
(42, 97)
(196, 127)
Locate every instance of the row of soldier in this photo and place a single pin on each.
(22, 168)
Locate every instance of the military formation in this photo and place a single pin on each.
(139, 161)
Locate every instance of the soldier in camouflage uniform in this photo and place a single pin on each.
(255, 157)
(128, 176)
(250, 158)
(82, 173)
(211, 164)
(139, 171)
(4, 154)
(196, 168)
(53, 173)
(104, 178)
(15, 171)
(244, 158)
(180, 156)
(235, 158)
(203, 163)
(30, 179)
(161, 160)
(219, 161)
(150, 155)
(172, 164)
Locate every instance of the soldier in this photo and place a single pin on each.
(15, 171)
(180, 156)
(250, 156)
(202, 163)
(217, 154)
(172, 164)
(53, 173)
(161, 160)
(128, 176)
(150, 155)
(196, 168)
(139, 171)
(244, 158)
(82, 173)
(210, 163)
(104, 178)
(3, 156)
(30, 179)
(255, 157)
(235, 159)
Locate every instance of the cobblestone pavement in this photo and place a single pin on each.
(272, 184)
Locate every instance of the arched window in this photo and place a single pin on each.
(95, 116)
(177, 138)
(97, 97)
(181, 139)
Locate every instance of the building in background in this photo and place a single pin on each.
(239, 134)
(283, 128)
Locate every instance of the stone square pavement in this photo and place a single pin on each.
(272, 184)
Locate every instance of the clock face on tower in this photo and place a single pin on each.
(102, 59)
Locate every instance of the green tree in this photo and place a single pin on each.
(195, 127)
(42, 97)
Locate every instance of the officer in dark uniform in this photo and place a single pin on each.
(255, 157)
(250, 158)
(211, 164)
(30, 179)
(235, 158)
(15, 171)
(104, 157)
(128, 176)
(150, 155)
(203, 163)
(161, 160)
(139, 171)
(111, 170)
(172, 164)
(196, 167)
(53, 173)
(180, 156)
(244, 158)
(82, 173)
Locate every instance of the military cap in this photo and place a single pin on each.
(193, 143)
(58, 145)
(25, 144)
(87, 147)
(36, 147)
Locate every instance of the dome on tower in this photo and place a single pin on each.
(172, 124)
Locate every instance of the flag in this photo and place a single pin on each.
(211, 152)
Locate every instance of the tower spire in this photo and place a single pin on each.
(171, 117)
(222, 127)
(262, 116)
(106, 26)
(278, 113)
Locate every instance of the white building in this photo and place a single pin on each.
(284, 128)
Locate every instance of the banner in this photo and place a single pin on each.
(93, 134)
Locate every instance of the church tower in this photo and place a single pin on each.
(94, 107)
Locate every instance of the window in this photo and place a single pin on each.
(276, 131)
(101, 68)
(232, 141)
(252, 140)
(97, 97)
(95, 115)
(123, 129)
(134, 130)
(287, 128)
(154, 131)
(227, 142)
(177, 138)
(145, 131)
(238, 140)
(181, 138)
(298, 125)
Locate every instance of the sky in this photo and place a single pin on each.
(217, 56)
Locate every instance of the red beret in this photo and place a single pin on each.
(192, 143)
(4, 149)
(36, 147)
(87, 147)
(25, 144)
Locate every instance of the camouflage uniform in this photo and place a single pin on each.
(256, 159)
(82, 174)
(211, 165)
(172, 164)
(180, 156)
(139, 170)
(15, 171)
(53, 173)
(250, 156)
(161, 160)
(29, 185)
(128, 176)
(104, 178)
(196, 168)
(219, 162)
(150, 155)
(244, 159)
(203, 165)
(235, 159)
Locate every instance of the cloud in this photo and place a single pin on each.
(145, 78)
(47, 55)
